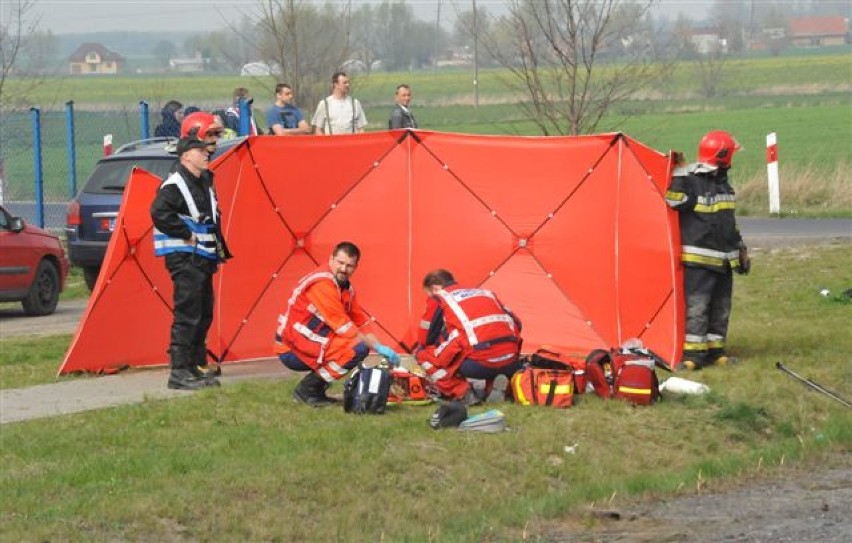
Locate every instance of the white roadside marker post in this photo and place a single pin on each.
(772, 173)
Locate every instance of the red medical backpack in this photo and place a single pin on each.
(626, 375)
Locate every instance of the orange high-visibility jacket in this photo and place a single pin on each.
(321, 324)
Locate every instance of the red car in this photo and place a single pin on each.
(33, 266)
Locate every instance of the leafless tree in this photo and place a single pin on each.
(304, 43)
(710, 68)
(576, 59)
(14, 42)
(21, 67)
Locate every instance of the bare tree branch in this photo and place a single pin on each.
(14, 34)
(575, 59)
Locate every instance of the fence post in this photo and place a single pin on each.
(143, 120)
(71, 149)
(39, 176)
(245, 117)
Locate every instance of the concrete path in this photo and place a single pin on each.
(132, 386)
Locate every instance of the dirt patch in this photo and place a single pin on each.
(806, 503)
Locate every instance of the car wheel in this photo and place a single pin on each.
(91, 277)
(44, 292)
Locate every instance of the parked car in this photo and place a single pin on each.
(33, 266)
(91, 215)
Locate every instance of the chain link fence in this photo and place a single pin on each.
(47, 155)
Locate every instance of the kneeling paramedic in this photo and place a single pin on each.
(323, 331)
(187, 234)
(465, 333)
(712, 248)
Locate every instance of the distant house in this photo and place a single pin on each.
(94, 58)
(190, 65)
(816, 31)
(707, 40)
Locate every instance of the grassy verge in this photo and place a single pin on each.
(244, 463)
(31, 361)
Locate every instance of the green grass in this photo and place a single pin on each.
(802, 96)
(244, 463)
(797, 69)
(31, 360)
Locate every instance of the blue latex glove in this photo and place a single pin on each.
(388, 353)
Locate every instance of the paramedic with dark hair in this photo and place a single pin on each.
(323, 331)
(465, 333)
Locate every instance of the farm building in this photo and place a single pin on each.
(817, 31)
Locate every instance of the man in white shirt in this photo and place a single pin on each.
(339, 113)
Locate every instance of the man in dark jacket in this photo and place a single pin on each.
(187, 234)
(401, 116)
(172, 116)
(712, 248)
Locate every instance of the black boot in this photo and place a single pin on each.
(184, 375)
(311, 391)
(199, 356)
(186, 379)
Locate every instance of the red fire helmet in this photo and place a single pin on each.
(717, 148)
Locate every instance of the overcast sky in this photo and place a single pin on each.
(72, 16)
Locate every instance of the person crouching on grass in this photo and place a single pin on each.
(324, 331)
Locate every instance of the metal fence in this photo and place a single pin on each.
(47, 155)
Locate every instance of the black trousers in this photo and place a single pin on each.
(708, 310)
(192, 277)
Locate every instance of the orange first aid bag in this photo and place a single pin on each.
(540, 386)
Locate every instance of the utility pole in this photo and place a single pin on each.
(437, 36)
(475, 59)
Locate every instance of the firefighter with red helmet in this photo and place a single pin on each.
(187, 234)
(712, 248)
(465, 333)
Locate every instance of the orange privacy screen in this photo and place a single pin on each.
(572, 233)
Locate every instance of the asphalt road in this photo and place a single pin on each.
(767, 233)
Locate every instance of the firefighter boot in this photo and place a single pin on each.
(181, 376)
(692, 361)
(311, 391)
(211, 371)
(724, 360)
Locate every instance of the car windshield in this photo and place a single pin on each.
(110, 176)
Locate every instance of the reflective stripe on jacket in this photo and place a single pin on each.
(306, 329)
(206, 232)
(477, 327)
(706, 203)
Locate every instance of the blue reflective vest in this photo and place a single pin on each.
(206, 233)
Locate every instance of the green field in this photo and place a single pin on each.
(244, 463)
(805, 99)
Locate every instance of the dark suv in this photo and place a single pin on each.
(91, 215)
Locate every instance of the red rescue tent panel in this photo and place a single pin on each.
(572, 233)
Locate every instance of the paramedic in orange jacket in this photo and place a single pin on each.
(465, 333)
(323, 331)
